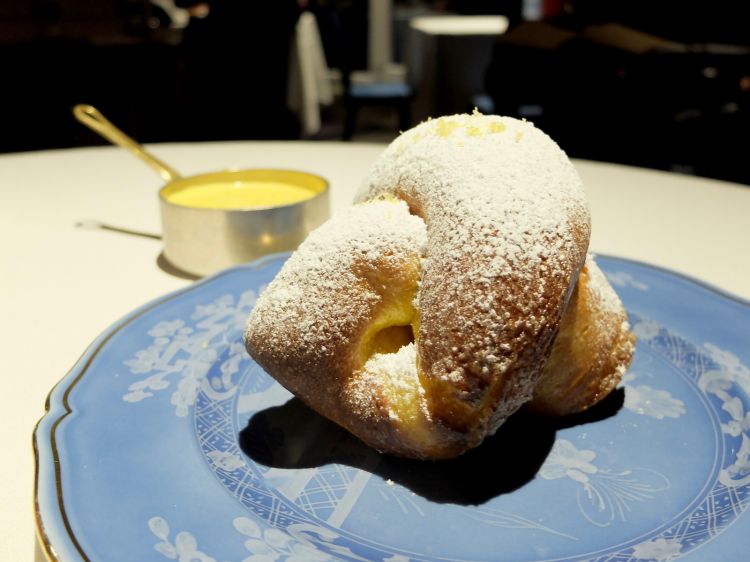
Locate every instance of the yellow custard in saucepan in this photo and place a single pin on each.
(240, 194)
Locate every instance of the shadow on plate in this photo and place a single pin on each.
(292, 436)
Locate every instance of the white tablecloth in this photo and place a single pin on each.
(63, 284)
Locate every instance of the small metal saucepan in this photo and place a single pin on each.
(200, 240)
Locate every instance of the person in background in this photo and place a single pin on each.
(236, 66)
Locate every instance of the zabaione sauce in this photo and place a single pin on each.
(244, 194)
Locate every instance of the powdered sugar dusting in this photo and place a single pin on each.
(318, 298)
(400, 367)
(609, 304)
(396, 370)
(600, 287)
(508, 227)
(488, 218)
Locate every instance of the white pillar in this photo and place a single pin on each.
(380, 40)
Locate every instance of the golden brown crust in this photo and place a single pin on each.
(309, 327)
(506, 241)
(591, 352)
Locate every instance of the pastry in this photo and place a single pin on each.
(425, 315)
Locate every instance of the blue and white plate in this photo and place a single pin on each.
(166, 441)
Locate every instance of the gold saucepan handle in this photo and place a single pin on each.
(94, 120)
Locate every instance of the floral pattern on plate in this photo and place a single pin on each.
(215, 461)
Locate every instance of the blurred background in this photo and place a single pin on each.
(663, 84)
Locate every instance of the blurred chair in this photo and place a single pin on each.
(375, 92)
(384, 82)
(358, 39)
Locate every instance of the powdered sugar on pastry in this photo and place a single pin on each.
(316, 323)
(422, 318)
(331, 262)
(507, 228)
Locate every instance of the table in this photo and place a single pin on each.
(447, 57)
(64, 284)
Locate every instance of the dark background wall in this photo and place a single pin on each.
(677, 98)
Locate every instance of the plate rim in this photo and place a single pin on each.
(75, 374)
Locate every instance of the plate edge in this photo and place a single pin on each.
(705, 285)
(75, 374)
